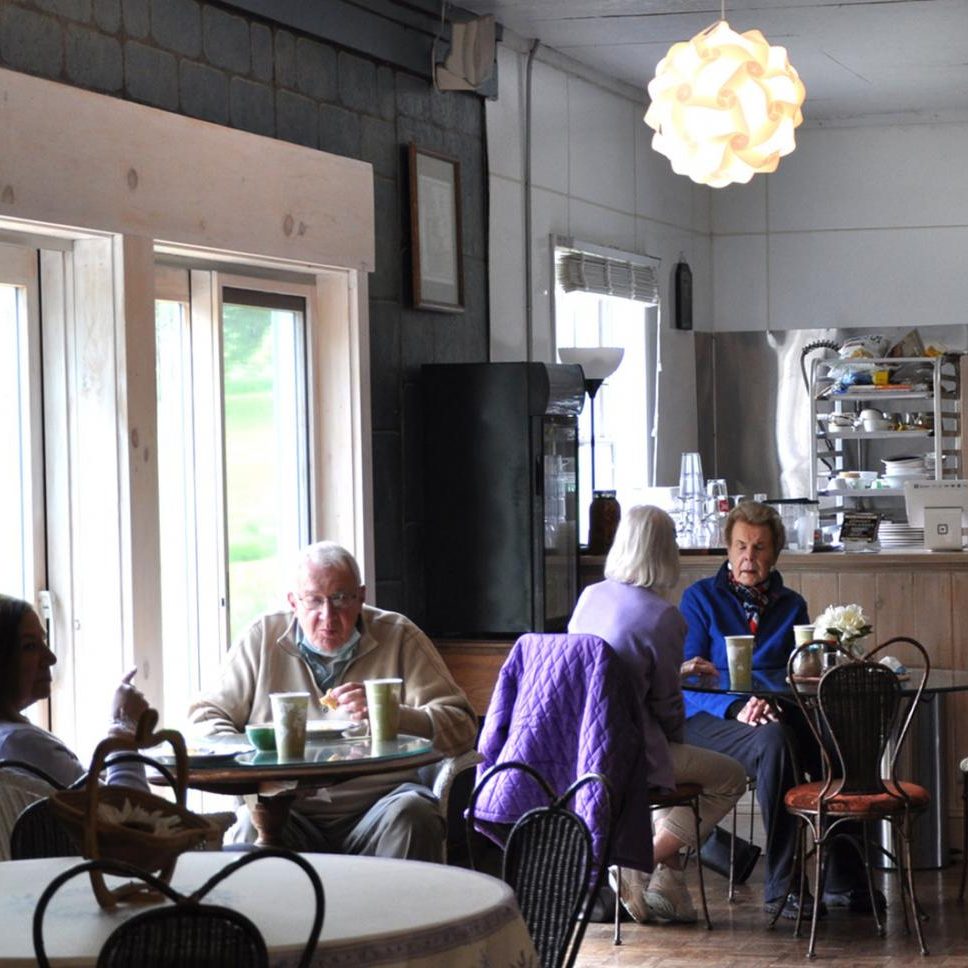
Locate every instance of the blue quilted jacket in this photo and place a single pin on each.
(562, 705)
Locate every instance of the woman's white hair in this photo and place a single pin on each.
(328, 554)
(644, 551)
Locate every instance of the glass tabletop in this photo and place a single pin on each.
(773, 682)
(216, 753)
(342, 750)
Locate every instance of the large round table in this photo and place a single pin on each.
(378, 912)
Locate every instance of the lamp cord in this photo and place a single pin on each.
(592, 441)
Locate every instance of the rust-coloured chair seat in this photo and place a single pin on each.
(805, 798)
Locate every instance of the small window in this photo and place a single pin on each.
(624, 449)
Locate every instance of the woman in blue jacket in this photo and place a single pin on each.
(747, 595)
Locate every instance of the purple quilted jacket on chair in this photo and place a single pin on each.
(562, 704)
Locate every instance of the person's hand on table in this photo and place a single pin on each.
(351, 697)
(697, 666)
(757, 712)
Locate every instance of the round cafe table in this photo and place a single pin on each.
(277, 783)
(378, 912)
(923, 760)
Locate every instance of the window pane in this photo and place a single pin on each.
(266, 466)
(15, 467)
(176, 503)
(621, 404)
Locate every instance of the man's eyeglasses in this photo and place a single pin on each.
(337, 601)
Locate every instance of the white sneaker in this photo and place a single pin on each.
(667, 896)
(632, 892)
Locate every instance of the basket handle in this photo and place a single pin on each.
(145, 736)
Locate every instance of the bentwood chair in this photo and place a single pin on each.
(857, 719)
(548, 862)
(188, 932)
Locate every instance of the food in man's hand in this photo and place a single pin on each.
(330, 700)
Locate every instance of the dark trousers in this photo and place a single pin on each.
(774, 754)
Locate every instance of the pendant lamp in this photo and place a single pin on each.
(724, 106)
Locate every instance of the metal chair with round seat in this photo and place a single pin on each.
(854, 713)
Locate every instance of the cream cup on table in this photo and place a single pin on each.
(383, 707)
(739, 656)
(289, 713)
(803, 634)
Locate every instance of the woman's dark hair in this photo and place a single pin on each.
(12, 612)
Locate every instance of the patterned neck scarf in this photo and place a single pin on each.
(754, 599)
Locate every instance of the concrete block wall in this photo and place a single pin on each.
(208, 61)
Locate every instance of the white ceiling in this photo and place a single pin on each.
(874, 59)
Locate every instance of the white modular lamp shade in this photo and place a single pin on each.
(724, 106)
(597, 362)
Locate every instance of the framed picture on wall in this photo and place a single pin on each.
(435, 231)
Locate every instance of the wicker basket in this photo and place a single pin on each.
(99, 838)
(149, 851)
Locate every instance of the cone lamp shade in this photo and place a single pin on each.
(724, 106)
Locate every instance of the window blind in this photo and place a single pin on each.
(606, 276)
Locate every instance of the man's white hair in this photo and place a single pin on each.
(327, 554)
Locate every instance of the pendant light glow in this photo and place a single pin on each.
(724, 106)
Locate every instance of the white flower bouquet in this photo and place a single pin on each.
(846, 623)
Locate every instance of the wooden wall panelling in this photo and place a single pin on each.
(475, 667)
(894, 614)
(820, 589)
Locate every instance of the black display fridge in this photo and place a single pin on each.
(501, 538)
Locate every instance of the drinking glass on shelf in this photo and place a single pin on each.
(717, 498)
(691, 483)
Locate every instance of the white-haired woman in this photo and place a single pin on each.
(629, 611)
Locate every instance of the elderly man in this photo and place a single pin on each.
(329, 641)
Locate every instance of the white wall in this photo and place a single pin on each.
(594, 178)
(862, 226)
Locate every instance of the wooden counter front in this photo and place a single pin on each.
(474, 665)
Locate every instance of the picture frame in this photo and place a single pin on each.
(435, 231)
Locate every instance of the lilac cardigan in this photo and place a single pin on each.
(648, 634)
(562, 705)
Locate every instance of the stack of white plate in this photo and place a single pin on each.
(904, 466)
(897, 470)
(897, 535)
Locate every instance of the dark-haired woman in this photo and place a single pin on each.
(25, 678)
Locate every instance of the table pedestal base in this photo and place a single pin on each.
(269, 816)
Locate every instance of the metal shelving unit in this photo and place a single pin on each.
(940, 383)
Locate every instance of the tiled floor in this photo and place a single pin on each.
(740, 938)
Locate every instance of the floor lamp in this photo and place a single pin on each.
(597, 363)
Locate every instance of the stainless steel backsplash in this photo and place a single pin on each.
(753, 408)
